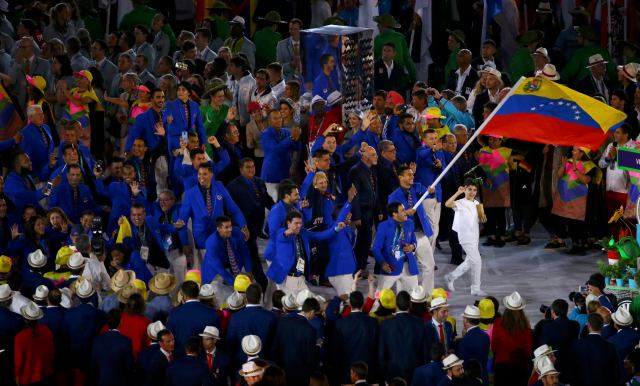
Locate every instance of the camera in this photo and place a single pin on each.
(97, 246)
(181, 66)
(544, 309)
(576, 297)
(99, 166)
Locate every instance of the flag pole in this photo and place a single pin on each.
(469, 142)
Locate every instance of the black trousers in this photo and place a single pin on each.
(256, 263)
(363, 242)
(496, 222)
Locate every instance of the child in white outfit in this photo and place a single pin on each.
(466, 224)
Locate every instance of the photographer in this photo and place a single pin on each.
(94, 267)
(579, 312)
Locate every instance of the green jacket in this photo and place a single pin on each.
(222, 27)
(266, 41)
(521, 64)
(452, 65)
(577, 70)
(142, 14)
(403, 56)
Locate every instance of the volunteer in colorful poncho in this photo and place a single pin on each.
(570, 199)
(80, 101)
(494, 161)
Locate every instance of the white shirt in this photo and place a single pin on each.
(278, 89)
(461, 78)
(617, 180)
(389, 68)
(465, 220)
(97, 272)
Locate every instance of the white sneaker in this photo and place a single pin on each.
(449, 282)
(479, 293)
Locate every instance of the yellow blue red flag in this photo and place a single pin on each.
(542, 111)
(10, 121)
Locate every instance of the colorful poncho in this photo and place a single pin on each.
(137, 108)
(80, 113)
(570, 200)
(495, 189)
(632, 197)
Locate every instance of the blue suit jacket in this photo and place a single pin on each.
(145, 357)
(294, 348)
(179, 123)
(244, 196)
(560, 334)
(354, 338)
(285, 252)
(10, 325)
(34, 146)
(416, 190)
(277, 154)
(216, 260)
(190, 319)
(83, 324)
(624, 341)
(402, 346)
(406, 143)
(155, 373)
(474, 345)
(426, 172)
(382, 248)
(433, 337)
(121, 200)
(189, 175)
(594, 362)
(62, 196)
(429, 374)
(194, 207)
(187, 371)
(174, 214)
(112, 360)
(342, 260)
(54, 319)
(31, 280)
(254, 320)
(19, 192)
(220, 369)
(275, 221)
(145, 127)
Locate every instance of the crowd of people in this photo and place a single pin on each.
(167, 205)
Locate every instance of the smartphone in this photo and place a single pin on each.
(48, 189)
(583, 289)
(99, 166)
(185, 137)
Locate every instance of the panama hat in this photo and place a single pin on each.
(541, 51)
(76, 261)
(42, 291)
(302, 296)
(438, 303)
(514, 302)
(125, 293)
(289, 303)
(5, 292)
(543, 351)
(451, 361)
(236, 301)
(471, 312)
(418, 295)
(622, 317)
(206, 292)
(31, 311)
(154, 328)
(211, 332)
(548, 72)
(595, 60)
(251, 345)
(83, 287)
(120, 279)
(37, 259)
(545, 367)
(162, 283)
(388, 299)
(629, 71)
(250, 369)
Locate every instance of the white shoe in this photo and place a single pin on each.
(479, 293)
(449, 282)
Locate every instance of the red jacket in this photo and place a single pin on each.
(33, 354)
(515, 350)
(135, 327)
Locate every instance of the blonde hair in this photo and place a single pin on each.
(319, 176)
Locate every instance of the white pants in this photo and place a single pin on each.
(341, 283)
(178, 263)
(272, 190)
(405, 281)
(426, 262)
(433, 207)
(198, 257)
(472, 262)
(293, 285)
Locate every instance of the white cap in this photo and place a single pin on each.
(251, 345)
(438, 303)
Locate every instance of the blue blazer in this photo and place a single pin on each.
(294, 348)
(121, 200)
(416, 190)
(285, 257)
(31, 280)
(194, 207)
(19, 192)
(54, 319)
(254, 320)
(112, 360)
(594, 362)
(155, 373)
(560, 334)
(179, 123)
(382, 248)
(308, 192)
(83, 324)
(275, 221)
(189, 175)
(10, 325)
(145, 127)
(277, 154)
(342, 259)
(474, 345)
(426, 172)
(433, 337)
(220, 369)
(429, 374)
(145, 357)
(62, 197)
(402, 346)
(174, 214)
(625, 340)
(33, 145)
(187, 371)
(354, 338)
(190, 319)
(216, 259)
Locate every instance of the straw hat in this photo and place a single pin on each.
(548, 72)
(514, 302)
(595, 60)
(302, 296)
(289, 302)
(125, 293)
(37, 259)
(541, 51)
(471, 312)
(250, 369)
(154, 328)
(438, 303)
(542, 351)
(451, 361)
(211, 332)
(206, 292)
(162, 283)
(236, 301)
(418, 295)
(31, 311)
(251, 345)
(76, 261)
(629, 71)
(120, 279)
(622, 317)
(83, 287)
(545, 367)
(42, 291)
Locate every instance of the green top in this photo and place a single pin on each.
(403, 56)
(222, 26)
(211, 120)
(142, 14)
(266, 41)
(521, 64)
(452, 65)
(577, 70)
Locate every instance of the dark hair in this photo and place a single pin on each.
(390, 44)
(597, 280)
(194, 152)
(276, 298)
(393, 207)
(206, 32)
(253, 294)
(188, 45)
(192, 346)
(620, 94)
(115, 159)
(626, 128)
(297, 21)
(30, 25)
(102, 43)
(113, 318)
(403, 301)
(245, 160)
(634, 359)
(263, 72)
(490, 106)
(65, 65)
(311, 304)
(514, 321)
(129, 37)
(190, 289)
(274, 376)
(356, 300)
(155, 90)
(469, 181)
(324, 59)
(472, 369)
(321, 153)
(420, 93)
(162, 333)
(206, 165)
(560, 307)
(381, 93)
(437, 351)
(135, 304)
(404, 116)
(292, 215)
(402, 169)
(142, 29)
(360, 369)
(137, 205)
(222, 219)
(239, 61)
(286, 189)
(275, 66)
(55, 297)
(595, 321)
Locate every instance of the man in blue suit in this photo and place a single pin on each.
(203, 204)
(354, 338)
(217, 361)
(402, 131)
(37, 142)
(627, 337)
(111, 356)
(431, 373)
(159, 361)
(227, 253)
(408, 194)
(291, 262)
(439, 329)
(189, 173)
(10, 325)
(278, 143)
(54, 319)
(182, 115)
(253, 319)
(594, 361)
(403, 345)
(250, 193)
(20, 185)
(176, 241)
(475, 342)
(560, 334)
(146, 238)
(147, 124)
(342, 260)
(122, 194)
(190, 318)
(275, 220)
(393, 248)
(188, 370)
(73, 197)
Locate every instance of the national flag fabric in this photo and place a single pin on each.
(492, 8)
(542, 111)
(124, 231)
(424, 9)
(10, 121)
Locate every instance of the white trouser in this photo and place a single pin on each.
(178, 263)
(198, 257)
(426, 262)
(292, 285)
(405, 281)
(162, 173)
(472, 262)
(341, 283)
(220, 289)
(433, 207)
(272, 190)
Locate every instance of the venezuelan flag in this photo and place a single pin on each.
(10, 121)
(542, 111)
